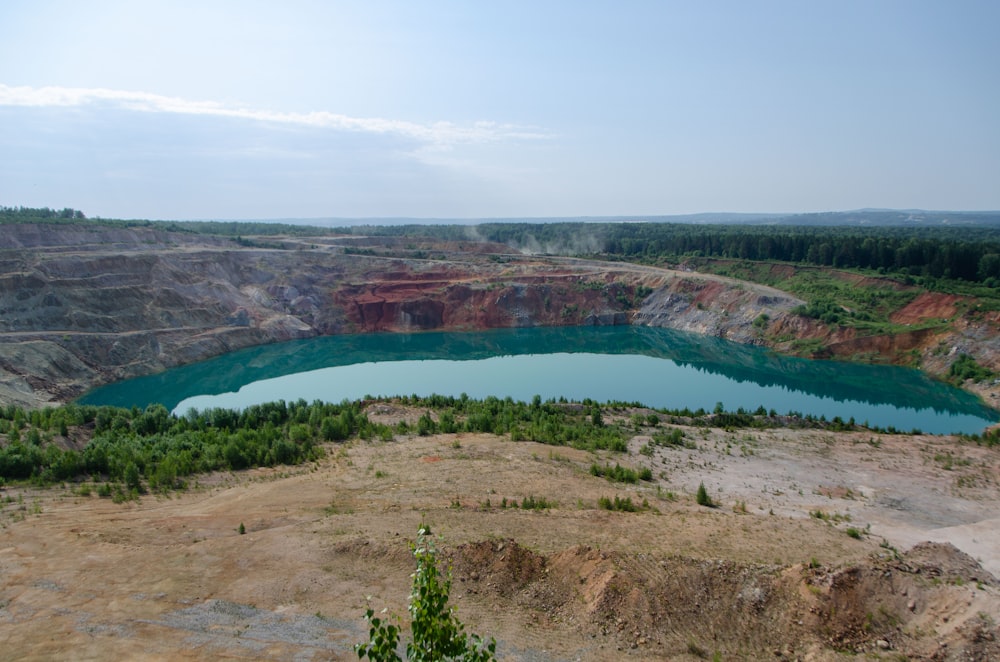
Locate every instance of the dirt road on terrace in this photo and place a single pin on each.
(171, 577)
(648, 270)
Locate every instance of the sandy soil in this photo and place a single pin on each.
(172, 578)
(928, 305)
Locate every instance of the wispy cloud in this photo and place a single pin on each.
(441, 135)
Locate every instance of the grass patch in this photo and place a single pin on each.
(833, 518)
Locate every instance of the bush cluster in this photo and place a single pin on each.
(620, 474)
(151, 447)
(965, 367)
(619, 504)
(548, 422)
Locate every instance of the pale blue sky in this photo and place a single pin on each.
(182, 109)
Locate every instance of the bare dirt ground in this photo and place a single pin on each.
(929, 305)
(770, 573)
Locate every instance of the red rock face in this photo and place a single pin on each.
(888, 346)
(420, 305)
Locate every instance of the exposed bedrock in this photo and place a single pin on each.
(79, 308)
(717, 307)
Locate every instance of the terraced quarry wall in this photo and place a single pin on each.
(84, 306)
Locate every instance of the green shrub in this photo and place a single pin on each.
(965, 367)
(620, 474)
(533, 503)
(425, 425)
(702, 497)
(617, 504)
(675, 437)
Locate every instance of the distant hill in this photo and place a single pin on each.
(860, 217)
(890, 217)
(855, 218)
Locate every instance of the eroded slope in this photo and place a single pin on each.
(82, 307)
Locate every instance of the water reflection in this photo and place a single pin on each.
(880, 386)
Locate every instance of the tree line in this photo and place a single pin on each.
(235, 229)
(135, 450)
(970, 253)
(44, 213)
(126, 452)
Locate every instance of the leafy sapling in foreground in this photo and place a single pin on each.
(437, 634)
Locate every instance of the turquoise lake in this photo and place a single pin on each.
(657, 367)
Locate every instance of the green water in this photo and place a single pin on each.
(658, 367)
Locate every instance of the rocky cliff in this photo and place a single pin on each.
(81, 305)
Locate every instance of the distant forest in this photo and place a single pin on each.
(220, 228)
(40, 213)
(968, 252)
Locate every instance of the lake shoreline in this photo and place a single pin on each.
(660, 368)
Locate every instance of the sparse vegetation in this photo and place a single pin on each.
(620, 504)
(527, 503)
(672, 437)
(535, 503)
(833, 518)
(620, 474)
(151, 449)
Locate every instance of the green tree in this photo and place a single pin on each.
(132, 477)
(437, 634)
(989, 266)
(447, 422)
(425, 425)
(702, 497)
(335, 429)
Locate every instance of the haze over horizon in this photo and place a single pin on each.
(252, 110)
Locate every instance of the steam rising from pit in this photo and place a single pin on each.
(583, 244)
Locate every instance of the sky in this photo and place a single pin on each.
(244, 109)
